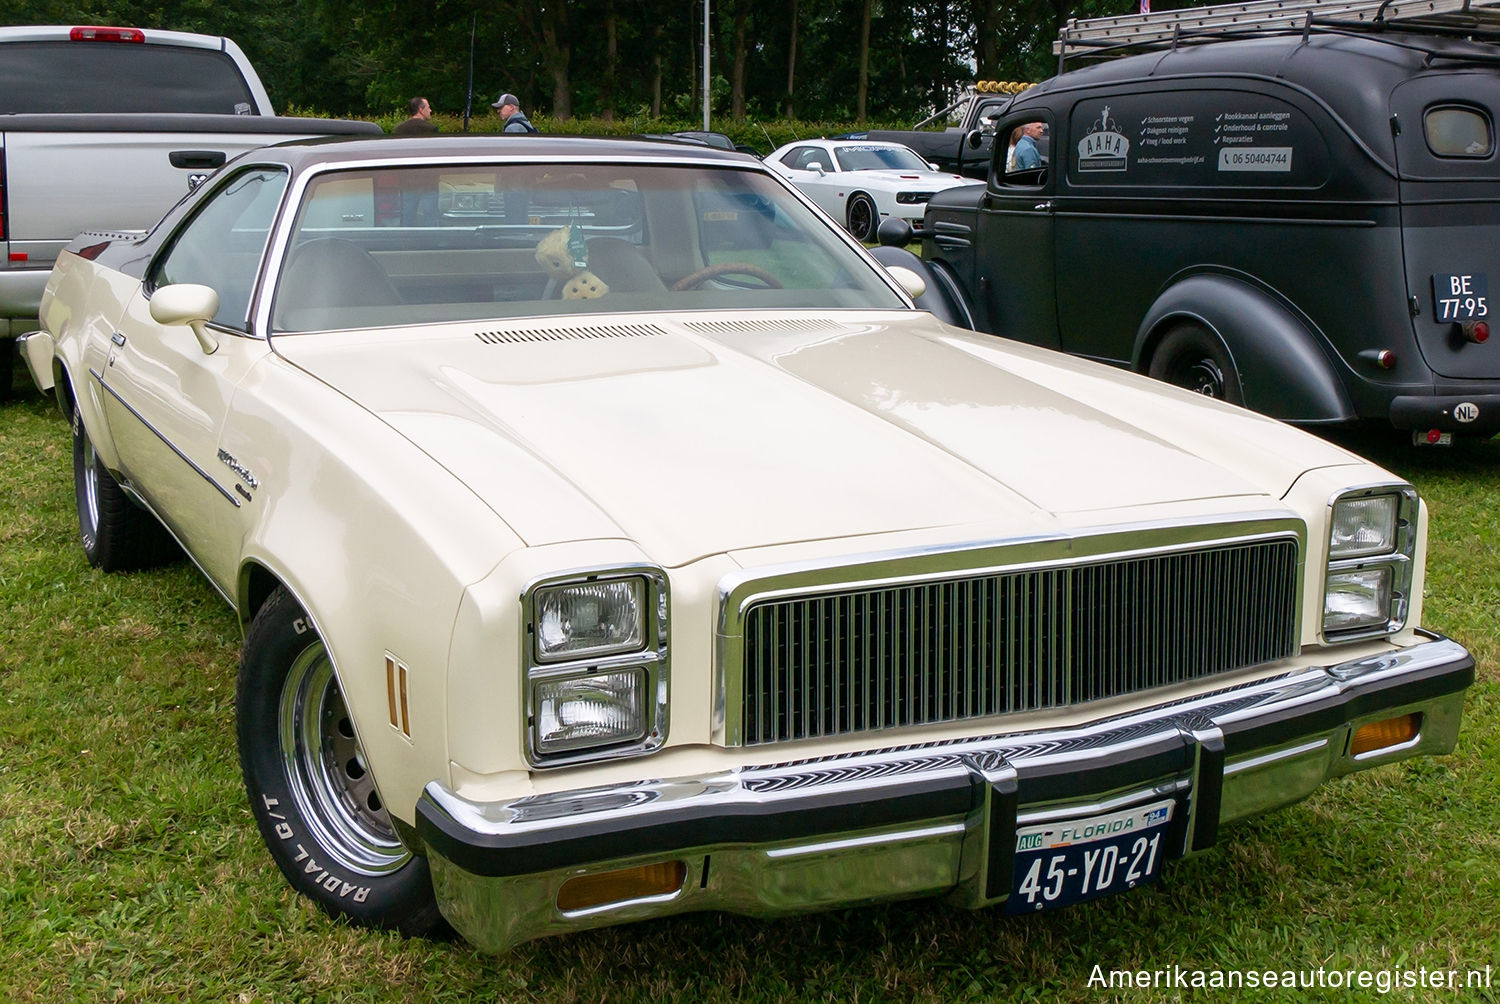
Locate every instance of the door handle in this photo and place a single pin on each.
(1043, 207)
(197, 160)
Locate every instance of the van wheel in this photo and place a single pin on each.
(862, 217)
(117, 534)
(1192, 357)
(310, 789)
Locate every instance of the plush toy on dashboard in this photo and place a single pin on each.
(566, 262)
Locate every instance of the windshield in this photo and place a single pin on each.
(408, 245)
(879, 158)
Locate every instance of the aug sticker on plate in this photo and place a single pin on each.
(1077, 859)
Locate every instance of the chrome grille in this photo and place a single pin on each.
(935, 651)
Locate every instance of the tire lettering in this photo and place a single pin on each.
(271, 803)
(300, 625)
(362, 895)
(331, 883)
(284, 831)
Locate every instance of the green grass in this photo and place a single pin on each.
(130, 868)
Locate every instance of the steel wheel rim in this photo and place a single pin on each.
(324, 764)
(90, 485)
(1201, 376)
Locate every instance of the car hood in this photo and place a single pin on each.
(694, 434)
(935, 180)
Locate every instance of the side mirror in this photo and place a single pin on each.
(190, 304)
(908, 280)
(819, 168)
(974, 139)
(894, 232)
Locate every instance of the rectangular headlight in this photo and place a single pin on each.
(585, 619)
(1358, 599)
(1363, 526)
(578, 712)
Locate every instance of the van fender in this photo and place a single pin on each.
(1282, 370)
(944, 297)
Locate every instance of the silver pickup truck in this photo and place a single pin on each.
(106, 129)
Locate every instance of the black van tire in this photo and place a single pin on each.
(861, 217)
(117, 535)
(1192, 357)
(313, 798)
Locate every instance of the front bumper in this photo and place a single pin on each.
(928, 819)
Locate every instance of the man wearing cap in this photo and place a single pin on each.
(509, 108)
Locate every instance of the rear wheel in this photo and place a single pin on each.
(7, 366)
(1192, 357)
(861, 217)
(117, 534)
(310, 788)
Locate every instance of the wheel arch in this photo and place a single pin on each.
(1283, 370)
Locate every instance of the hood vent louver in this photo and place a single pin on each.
(568, 334)
(789, 324)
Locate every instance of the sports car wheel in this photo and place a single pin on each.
(1192, 357)
(310, 789)
(861, 217)
(117, 534)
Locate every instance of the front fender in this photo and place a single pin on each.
(1283, 369)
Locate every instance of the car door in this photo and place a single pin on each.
(1015, 269)
(167, 394)
(812, 170)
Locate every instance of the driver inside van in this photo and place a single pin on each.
(1026, 152)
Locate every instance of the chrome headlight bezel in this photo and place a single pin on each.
(1355, 567)
(645, 660)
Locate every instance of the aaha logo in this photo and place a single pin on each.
(1104, 148)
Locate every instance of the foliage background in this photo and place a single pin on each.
(616, 58)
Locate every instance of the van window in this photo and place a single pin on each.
(1028, 149)
(1194, 139)
(1458, 131)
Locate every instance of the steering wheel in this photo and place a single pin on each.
(727, 268)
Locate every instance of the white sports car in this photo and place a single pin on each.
(863, 182)
(624, 542)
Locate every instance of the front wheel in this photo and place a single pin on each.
(1192, 357)
(862, 218)
(117, 534)
(310, 789)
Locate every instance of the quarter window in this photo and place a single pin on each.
(223, 244)
(1457, 131)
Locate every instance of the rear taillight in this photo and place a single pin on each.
(96, 33)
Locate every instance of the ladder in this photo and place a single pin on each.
(1145, 30)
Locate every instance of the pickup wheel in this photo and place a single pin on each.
(861, 217)
(312, 794)
(1192, 357)
(117, 534)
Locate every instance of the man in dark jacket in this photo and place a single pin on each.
(509, 108)
(420, 123)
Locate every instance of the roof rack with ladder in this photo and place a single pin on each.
(1106, 36)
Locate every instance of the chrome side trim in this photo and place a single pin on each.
(167, 442)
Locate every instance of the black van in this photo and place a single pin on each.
(1306, 223)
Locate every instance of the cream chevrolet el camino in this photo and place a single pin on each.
(618, 540)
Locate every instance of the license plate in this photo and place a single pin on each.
(1079, 859)
(1460, 297)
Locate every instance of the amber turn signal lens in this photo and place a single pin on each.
(588, 891)
(1381, 735)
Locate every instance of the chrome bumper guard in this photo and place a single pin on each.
(928, 819)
